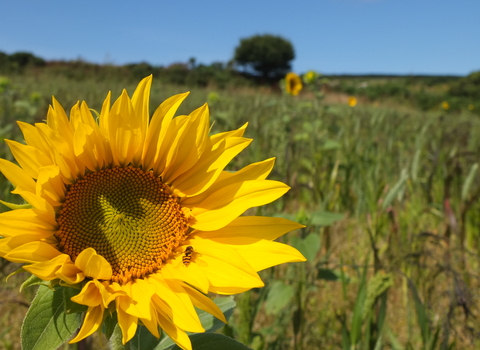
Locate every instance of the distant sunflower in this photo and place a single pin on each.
(293, 84)
(140, 213)
(352, 101)
(310, 77)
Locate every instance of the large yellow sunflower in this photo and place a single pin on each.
(140, 214)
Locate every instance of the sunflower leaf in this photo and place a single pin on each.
(143, 340)
(213, 341)
(46, 325)
(31, 281)
(109, 324)
(279, 296)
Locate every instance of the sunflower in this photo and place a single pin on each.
(139, 214)
(352, 101)
(293, 84)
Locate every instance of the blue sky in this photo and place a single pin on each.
(330, 36)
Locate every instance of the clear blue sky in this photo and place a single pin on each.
(330, 36)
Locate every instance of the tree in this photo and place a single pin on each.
(266, 55)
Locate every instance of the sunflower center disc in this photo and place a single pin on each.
(129, 217)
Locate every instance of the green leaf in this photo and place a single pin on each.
(309, 246)
(327, 274)
(325, 218)
(143, 340)
(395, 190)
(109, 323)
(115, 340)
(46, 325)
(279, 296)
(394, 343)
(415, 164)
(213, 341)
(331, 144)
(468, 181)
(357, 317)
(31, 281)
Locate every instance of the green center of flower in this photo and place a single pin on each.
(129, 217)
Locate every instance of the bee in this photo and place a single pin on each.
(187, 256)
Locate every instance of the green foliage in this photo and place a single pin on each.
(51, 320)
(267, 55)
(468, 86)
(18, 61)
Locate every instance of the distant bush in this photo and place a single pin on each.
(467, 87)
(18, 61)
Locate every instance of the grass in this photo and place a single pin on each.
(389, 195)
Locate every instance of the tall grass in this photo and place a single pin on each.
(389, 197)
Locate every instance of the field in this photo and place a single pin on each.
(389, 192)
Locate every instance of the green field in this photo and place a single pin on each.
(389, 191)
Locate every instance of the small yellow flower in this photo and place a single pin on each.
(310, 77)
(118, 201)
(471, 107)
(445, 105)
(352, 101)
(293, 84)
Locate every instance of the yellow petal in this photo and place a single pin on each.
(141, 293)
(57, 120)
(29, 158)
(190, 144)
(225, 204)
(259, 227)
(204, 303)
(209, 166)
(33, 138)
(93, 320)
(154, 143)
(152, 324)
(17, 176)
(50, 185)
(262, 254)
(69, 273)
(174, 134)
(127, 322)
(89, 295)
(93, 265)
(224, 135)
(255, 171)
(176, 334)
(31, 252)
(61, 145)
(36, 201)
(104, 114)
(125, 131)
(25, 221)
(140, 102)
(223, 266)
(89, 147)
(176, 305)
(47, 270)
(193, 275)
